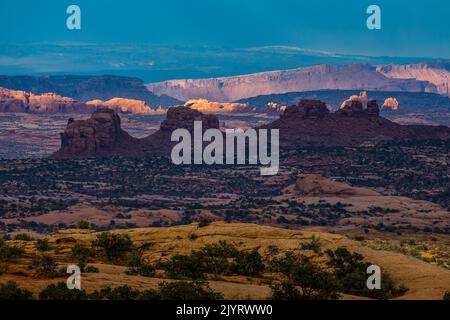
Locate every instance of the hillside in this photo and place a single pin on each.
(424, 281)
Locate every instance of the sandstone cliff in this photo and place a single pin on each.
(355, 76)
(85, 88)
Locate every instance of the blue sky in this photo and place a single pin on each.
(167, 39)
(410, 28)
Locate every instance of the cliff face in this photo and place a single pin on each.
(85, 88)
(121, 105)
(102, 136)
(437, 73)
(356, 76)
(99, 136)
(310, 123)
(20, 101)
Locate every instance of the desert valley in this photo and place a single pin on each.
(86, 178)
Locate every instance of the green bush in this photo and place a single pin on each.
(313, 245)
(23, 237)
(45, 265)
(182, 267)
(10, 291)
(144, 270)
(91, 269)
(248, 263)
(9, 252)
(114, 246)
(61, 292)
(182, 290)
(350, 270)
(447, 295)
(83, 225)
(42, 245)
(304, 280)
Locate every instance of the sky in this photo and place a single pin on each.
(168, 39)
(409, 28)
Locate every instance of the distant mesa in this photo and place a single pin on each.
(121, 105)
(311, 123)
(15, 101)
(86, 88)
(432, 78)
(204, 105)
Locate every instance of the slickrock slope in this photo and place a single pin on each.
(316, 185)
(355, 76)
(85, 88)
(437, 73)
(99, 136)
(311, 123)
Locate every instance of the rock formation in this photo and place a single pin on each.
(85, 88)
(121, 105)
(436, 73)
(316, 185)
(204, 105)
(310, 123)
(320, 77)
(99, 136)
(20, 101)
(390, 104)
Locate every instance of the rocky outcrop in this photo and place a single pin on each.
(20, 101)
(51, 103)
(310, 123)
(86, 88)
(184, 117)
(99, 136)
(348, 77)
(204, 105)
(390, 104)
(436, 73)
(317, 186)
(102, 136)
(121, 105)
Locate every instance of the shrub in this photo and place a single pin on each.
(83, 225)
(182, 267)
(134, 258)
(114, 246)
(23, 237)
(9, 252)
(447, 295)
(61, 292)
(42, 245)
(45, 265)
(182, 290)
(204, 223)
(10, 291)
(350, 271)
(313, 245)
(248, 263)
(91, 269)
(313, 282)
(144, 270)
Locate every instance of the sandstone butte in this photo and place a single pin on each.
(309, 123)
